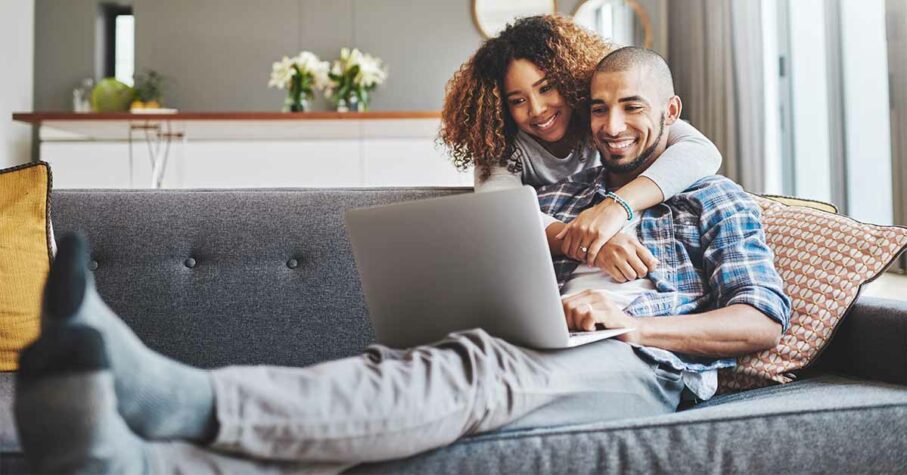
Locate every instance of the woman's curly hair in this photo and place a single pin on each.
(476, 126)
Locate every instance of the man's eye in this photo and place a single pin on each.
(598, 111)
(633, 108)
(546, 88)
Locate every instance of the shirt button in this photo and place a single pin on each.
(190, 263)
(292, 263)
(93, 265)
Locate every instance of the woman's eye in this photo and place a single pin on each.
(546, 88)
(516, 102)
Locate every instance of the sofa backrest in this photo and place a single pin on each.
(226, 277)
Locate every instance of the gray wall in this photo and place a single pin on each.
(16, 49)
(219, 52)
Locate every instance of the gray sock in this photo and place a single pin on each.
(159, 398)
(65, 408)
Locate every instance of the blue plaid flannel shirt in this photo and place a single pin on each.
(710, 247)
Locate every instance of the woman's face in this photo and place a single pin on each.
(535, 105)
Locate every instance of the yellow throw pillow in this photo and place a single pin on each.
(25, 256)
(824, 259)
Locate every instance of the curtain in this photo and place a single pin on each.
(715, 53)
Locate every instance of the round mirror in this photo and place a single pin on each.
(491, 16)
(624, 22)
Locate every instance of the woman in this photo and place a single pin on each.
(518, 112)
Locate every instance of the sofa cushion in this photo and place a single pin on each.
(827, 424)
(225, 277)
(823, 259)
(25, 256)
(871, 342)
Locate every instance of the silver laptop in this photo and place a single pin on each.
(476, 260)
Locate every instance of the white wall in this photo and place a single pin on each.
(17, 40)
(866, 110)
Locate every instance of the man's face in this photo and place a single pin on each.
(627, 118)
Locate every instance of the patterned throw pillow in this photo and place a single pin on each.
(25, 255)
(823, 259)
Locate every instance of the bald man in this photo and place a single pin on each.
(92, 398)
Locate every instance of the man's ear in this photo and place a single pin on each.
(675, 106)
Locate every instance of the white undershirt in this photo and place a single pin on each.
(592, 278)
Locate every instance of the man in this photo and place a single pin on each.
(91, 397)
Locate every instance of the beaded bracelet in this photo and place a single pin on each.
(621, 202)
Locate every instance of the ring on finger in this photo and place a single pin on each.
(584, 249)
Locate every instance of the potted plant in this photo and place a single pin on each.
(300, 76)
(149, 90)
(353, 77)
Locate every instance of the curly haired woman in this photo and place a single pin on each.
(517, 111)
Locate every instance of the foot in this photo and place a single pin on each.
(65, 408)
(159, 398)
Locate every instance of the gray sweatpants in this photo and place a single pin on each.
(388, 404)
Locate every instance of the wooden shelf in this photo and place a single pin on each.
(37, 118)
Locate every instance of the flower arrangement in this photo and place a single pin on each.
(352, 78)
(301, 76)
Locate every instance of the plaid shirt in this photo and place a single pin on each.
(710, 247)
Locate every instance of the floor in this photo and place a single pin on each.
(889, 286)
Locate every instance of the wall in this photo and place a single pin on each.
(219, 52)
(65, 46)
(17, 51)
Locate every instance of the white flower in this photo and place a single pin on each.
(309, 65)
(281, 73)
(318, 69)
(371, 72)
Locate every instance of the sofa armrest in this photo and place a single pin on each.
(871, 342)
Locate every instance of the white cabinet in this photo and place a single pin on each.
(322, 153)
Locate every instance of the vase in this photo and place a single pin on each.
(297, 95)
(351, 104)
(298, 103)
(342, 105)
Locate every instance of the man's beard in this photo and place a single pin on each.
(640, 159)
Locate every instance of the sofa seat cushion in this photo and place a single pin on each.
(826, 424)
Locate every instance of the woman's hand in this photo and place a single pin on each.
(624, 258)
(584, 237)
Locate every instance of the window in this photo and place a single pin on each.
(834, 129)
(118, 33)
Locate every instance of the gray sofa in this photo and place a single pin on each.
(267, 277)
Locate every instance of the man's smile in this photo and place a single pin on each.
(620, 145)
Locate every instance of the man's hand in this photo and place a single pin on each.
(624, 258)
(590, 307)
(591, 230)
